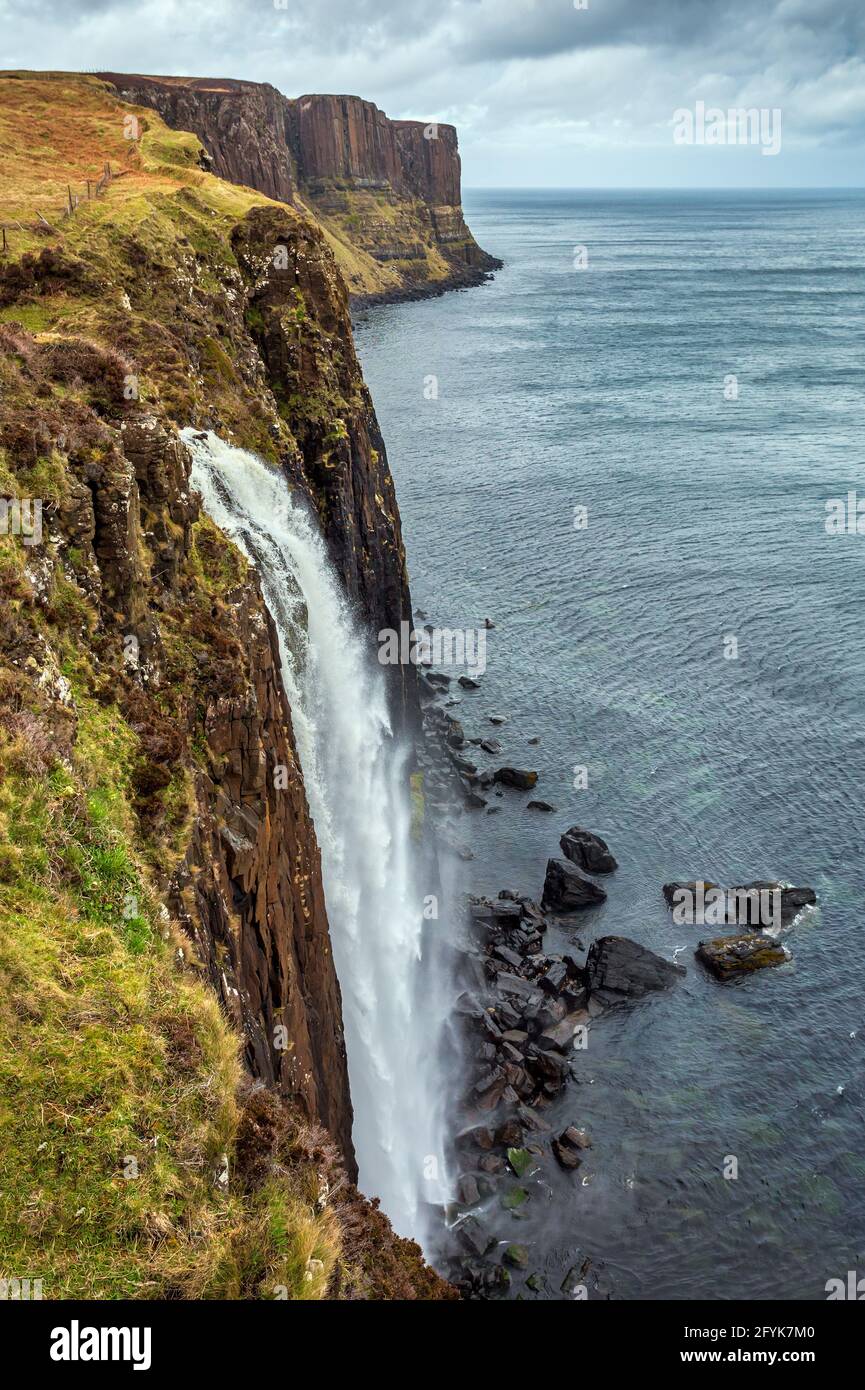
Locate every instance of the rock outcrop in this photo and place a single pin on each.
(388, 190)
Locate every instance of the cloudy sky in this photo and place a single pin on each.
(543, 92)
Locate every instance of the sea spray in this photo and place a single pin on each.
(356, 777)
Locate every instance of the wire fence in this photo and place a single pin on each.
(91, 189)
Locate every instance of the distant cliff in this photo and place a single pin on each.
(387, 191)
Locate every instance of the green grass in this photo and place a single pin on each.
(118, 1073)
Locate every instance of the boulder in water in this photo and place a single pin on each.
(468, 1191)
(474, 1237)
(741, 954)
(587, 851)
(565, 889)
(516, 777)
(567, 1155)
(618, 969)
(455, 736)
(510, 1134)
(761, 903)
(463, 764)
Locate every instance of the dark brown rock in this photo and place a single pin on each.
(589, 852)
(741, 954)
(617, 968)
(565, 890)
(516, 777)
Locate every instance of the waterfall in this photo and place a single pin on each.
(356, 777)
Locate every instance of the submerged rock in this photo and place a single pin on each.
(572, 1285)
(617, 968)
(473, 799)
(588, 851)
(726, 956)
(514, 1199)
(565, 890)
(539, 806)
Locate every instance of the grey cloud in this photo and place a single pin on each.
(530, 83)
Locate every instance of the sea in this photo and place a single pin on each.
(638, 451)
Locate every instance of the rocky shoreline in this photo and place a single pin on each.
(466, 279)
(525, 1010)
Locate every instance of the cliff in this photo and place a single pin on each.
(387, 192)
(151, 860)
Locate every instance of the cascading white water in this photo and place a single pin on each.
(356, 778)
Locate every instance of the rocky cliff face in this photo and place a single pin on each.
(389, 191)
(176, 299)
(243, 125)
(192, 662)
